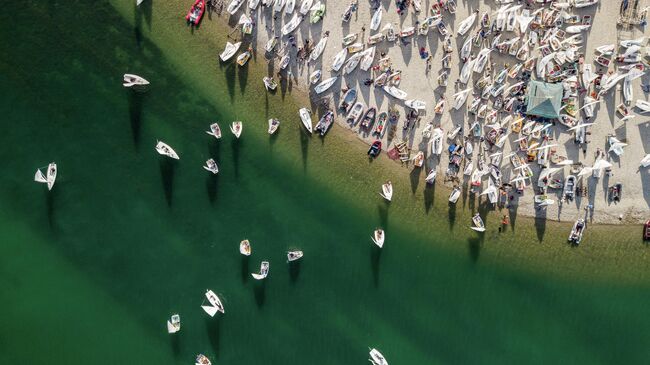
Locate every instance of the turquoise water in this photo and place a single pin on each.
(90, 271)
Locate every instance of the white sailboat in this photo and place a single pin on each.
(174, 324)
(376, 19)
(294, 255)
(395, 92)
(264, 271)
(274, 124)
(229, 51)
(49, 177)
(339, 58)
(245, 248)
(215, 304)
(479, 226)
(305, 6)
(376, 357)
(236, 128)
(460, 98)
(416, 104)
(325, 84)
(466, 24)
(318, 50)
(211, 166)
(165, 150)
(305, 117)
(291, 5)
(367, 57)
(454, 195)
(292, 24)
(134, 81)
(431, 177)
(214, 131)
(378, 237)
(387, 191)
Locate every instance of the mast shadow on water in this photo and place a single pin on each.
(304, 147)
(49, 206)
(167, 175)
(383, 214)
(236, 147)
(451, 214)
(214, 333)
(260, 292)
(245, 271)
(415, 178)
(474, 246)
(540, 223)
(135, 115)
(429, 196)
(294, 271)
(375, 260)
(176, 345)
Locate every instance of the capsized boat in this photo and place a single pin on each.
(245, 248)
(236, 128)
(378, 237)
(325, 123)
(165, 150)
(387, 190)
(479, 226)
(325, 84)
(264, 271)
(135, 81)
(215, 304)
(49, 177)
(196, 12)
(274, 124)
(174, 324)
(294, 255)
(214, 130)
(211, 166)
(305, 117)
(577, 231)
(229, 51)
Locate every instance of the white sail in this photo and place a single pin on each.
(210, 310)
(39, 177)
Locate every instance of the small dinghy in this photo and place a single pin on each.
(134, 81)
(211, 166)
(352, 63)
(244, 57)
(284, 62)
(294, 255)
(325, 123)
(376, 38)
(643, 105)
(338, 59)
(418, 160)
(376, 19)
(215, 304)
(454, 195)
(440, 106)
(174, 324)
(318, 50)
(348, 99)
(355, 113)
(236, 128)
(317, 12)
(367, 57)
(378, 237)
(375, 149)
(326, 84)
(49, 177)
(387, 190)
(577, 28)
(195, 13)
(279, 4)
(466, 24)
(202, 360)
(165, 150)
(252, 4)
(349, 39)
(245, 248)
(431, 177)
(369, 118)
(577, 231)
(305, 117)
(270, 44)
(274, 124)
(315, 77)
(479, 226)
(292, 24)
(214, 130)
(234, 6)
(376, 358)
(395, 92)
(264, 271)
(291, 5)
(269, 83)
(229, 51)
(407, 32)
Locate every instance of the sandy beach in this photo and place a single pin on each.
(421, 84)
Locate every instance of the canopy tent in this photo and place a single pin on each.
(544, 100)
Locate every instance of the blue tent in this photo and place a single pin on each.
(544, 100)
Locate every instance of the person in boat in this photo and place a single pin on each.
(368, 82)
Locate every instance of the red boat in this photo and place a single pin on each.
(646, 230)
(196, 12)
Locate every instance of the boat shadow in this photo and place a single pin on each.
(429, 196)
(141, 12)
(229, 73)
(474, 245)
(383, 214)
(375, 260)
(242, 75)
(540, 223)
(175, 342)
(135, 115)
(294, 271)
(167, 174)
(214, 333)
(211, 186)
(259, 291)
(236, 147)
(414, 176)
(49, 206)
(304, 147)
(245, 270)
(451, 215)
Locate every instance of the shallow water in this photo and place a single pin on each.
(91, 270)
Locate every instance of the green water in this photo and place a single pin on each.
(90, 271)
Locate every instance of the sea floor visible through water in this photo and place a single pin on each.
(90, 271)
